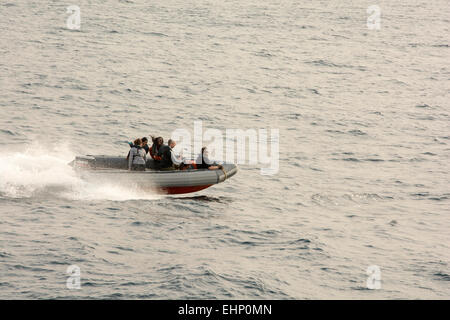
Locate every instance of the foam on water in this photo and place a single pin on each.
(45, 171)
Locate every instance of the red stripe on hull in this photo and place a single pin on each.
(179, 190)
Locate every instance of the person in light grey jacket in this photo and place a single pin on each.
(137, 158)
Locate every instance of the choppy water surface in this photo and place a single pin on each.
(364, 148)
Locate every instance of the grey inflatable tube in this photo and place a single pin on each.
(114, 169)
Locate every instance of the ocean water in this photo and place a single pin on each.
(364, 151)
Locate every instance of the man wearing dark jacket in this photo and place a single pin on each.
(168, 158)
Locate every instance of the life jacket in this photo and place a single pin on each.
(166, 156)
(202, 165)
(135, 155)
(154, 152)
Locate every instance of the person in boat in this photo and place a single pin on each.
(157, 143)
(145, 145)
(203, 162)
(169, 161)
(137, 158)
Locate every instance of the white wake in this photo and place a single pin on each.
(43, 172)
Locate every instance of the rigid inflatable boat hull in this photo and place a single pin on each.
(114, 170)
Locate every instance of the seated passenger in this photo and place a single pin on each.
(145, 145)
(157, 143)
(137, 157)
(169, 161)
(203, 161)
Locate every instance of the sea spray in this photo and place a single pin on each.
(37, 171)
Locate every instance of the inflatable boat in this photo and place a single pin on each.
(115, 169)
